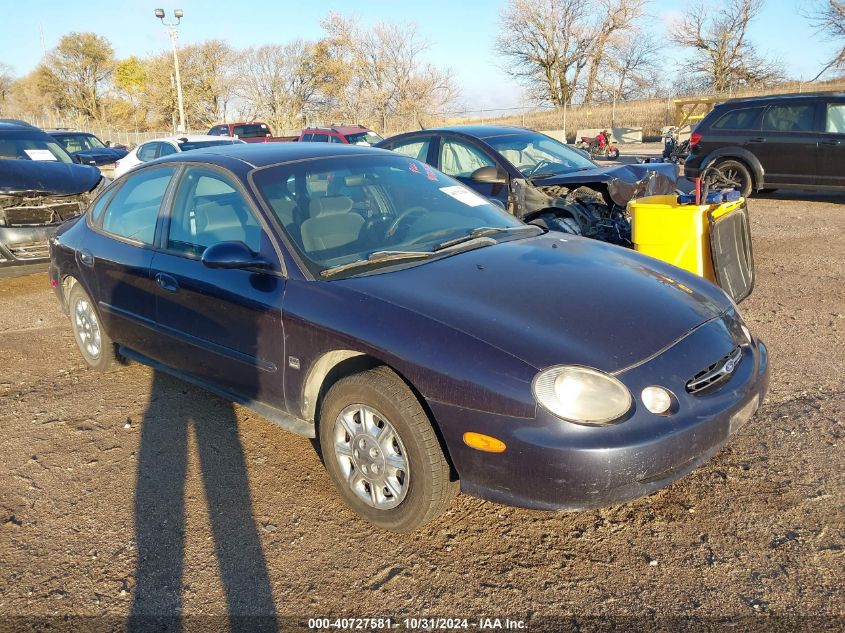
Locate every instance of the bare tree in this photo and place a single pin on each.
(722, 52)
(6, 80)
(387, 74)
(633, 67)
(278, 82)
(828, 17)
(546, 44)
(618, 17)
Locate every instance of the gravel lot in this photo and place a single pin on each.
(230, 510)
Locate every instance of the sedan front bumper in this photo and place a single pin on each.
(552, 464)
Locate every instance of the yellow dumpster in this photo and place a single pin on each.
(710, 240)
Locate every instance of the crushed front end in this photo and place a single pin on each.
(28, 220)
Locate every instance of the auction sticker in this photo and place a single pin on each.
(462, 194)
(40, 154)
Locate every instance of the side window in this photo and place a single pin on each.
(208, 209)
(97, 209)
(416, 148)
(308, 138)
(335, 139)
(835, 118)
(147, 151)
(740, 119)
(321, 138)
(790, 118)
(133, 210)
(166, 149)
(458, 158)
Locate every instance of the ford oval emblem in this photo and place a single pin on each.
(729, 366)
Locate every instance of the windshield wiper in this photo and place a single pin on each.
(377, 258)
(481, 232)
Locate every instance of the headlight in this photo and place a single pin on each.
(581, 395)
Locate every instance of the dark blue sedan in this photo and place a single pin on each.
(431, 341)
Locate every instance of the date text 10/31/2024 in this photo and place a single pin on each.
(416, 624)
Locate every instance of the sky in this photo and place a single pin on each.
(461, 33)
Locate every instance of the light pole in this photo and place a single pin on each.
(174, 35)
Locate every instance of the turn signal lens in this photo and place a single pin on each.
(657, 400)
(484, 443)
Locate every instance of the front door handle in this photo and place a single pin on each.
(86, 258)
(759, 139)
(166, 282)
(831, 141)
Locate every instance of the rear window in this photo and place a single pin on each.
(134, 208)
(253, 130)
(741, 119)
(186, 147)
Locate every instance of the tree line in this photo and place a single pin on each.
(562, 51)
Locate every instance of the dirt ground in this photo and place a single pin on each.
(237, 516)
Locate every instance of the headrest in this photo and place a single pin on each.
(330, 205)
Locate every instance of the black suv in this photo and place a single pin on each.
(792, 141)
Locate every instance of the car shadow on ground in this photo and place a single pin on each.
(160, 511)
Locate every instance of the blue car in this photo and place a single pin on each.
(430, 341)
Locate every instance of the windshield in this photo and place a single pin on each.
(375, 209)
(189, 145)
(536, 155)
(363, 138)
(78, 142)
(25, 146)
(252, 130)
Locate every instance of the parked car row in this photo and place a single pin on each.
(260, 132)
(426, 337)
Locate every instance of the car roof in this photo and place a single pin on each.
(190, 138)
(16, 125)
(478, 131)
(793, 96)
(340, 129)
(264, 154)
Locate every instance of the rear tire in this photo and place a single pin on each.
(732, 173)
(97, 349)
(381, 451)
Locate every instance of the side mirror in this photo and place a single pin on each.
(232, 255)
(108, 143)
(488, 174)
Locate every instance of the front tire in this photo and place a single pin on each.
(382, 453)
(732, 173)
(97, 349)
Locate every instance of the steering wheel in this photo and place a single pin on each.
(402, 218)
(541, 163)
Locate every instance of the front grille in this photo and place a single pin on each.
(30, 250)
(715, 374)
(39, 210)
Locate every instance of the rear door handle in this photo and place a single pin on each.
(759, 139)
(166, 282)
(86, 258)
(831, 141)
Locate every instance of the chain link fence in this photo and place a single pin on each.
(651, 116)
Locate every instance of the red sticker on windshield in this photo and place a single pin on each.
(412, 167)
(429, 172)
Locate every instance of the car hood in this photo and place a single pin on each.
(49, 177)
(101, 156)
(624, 182)
(555, 299)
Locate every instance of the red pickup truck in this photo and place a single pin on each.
(250, 132)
